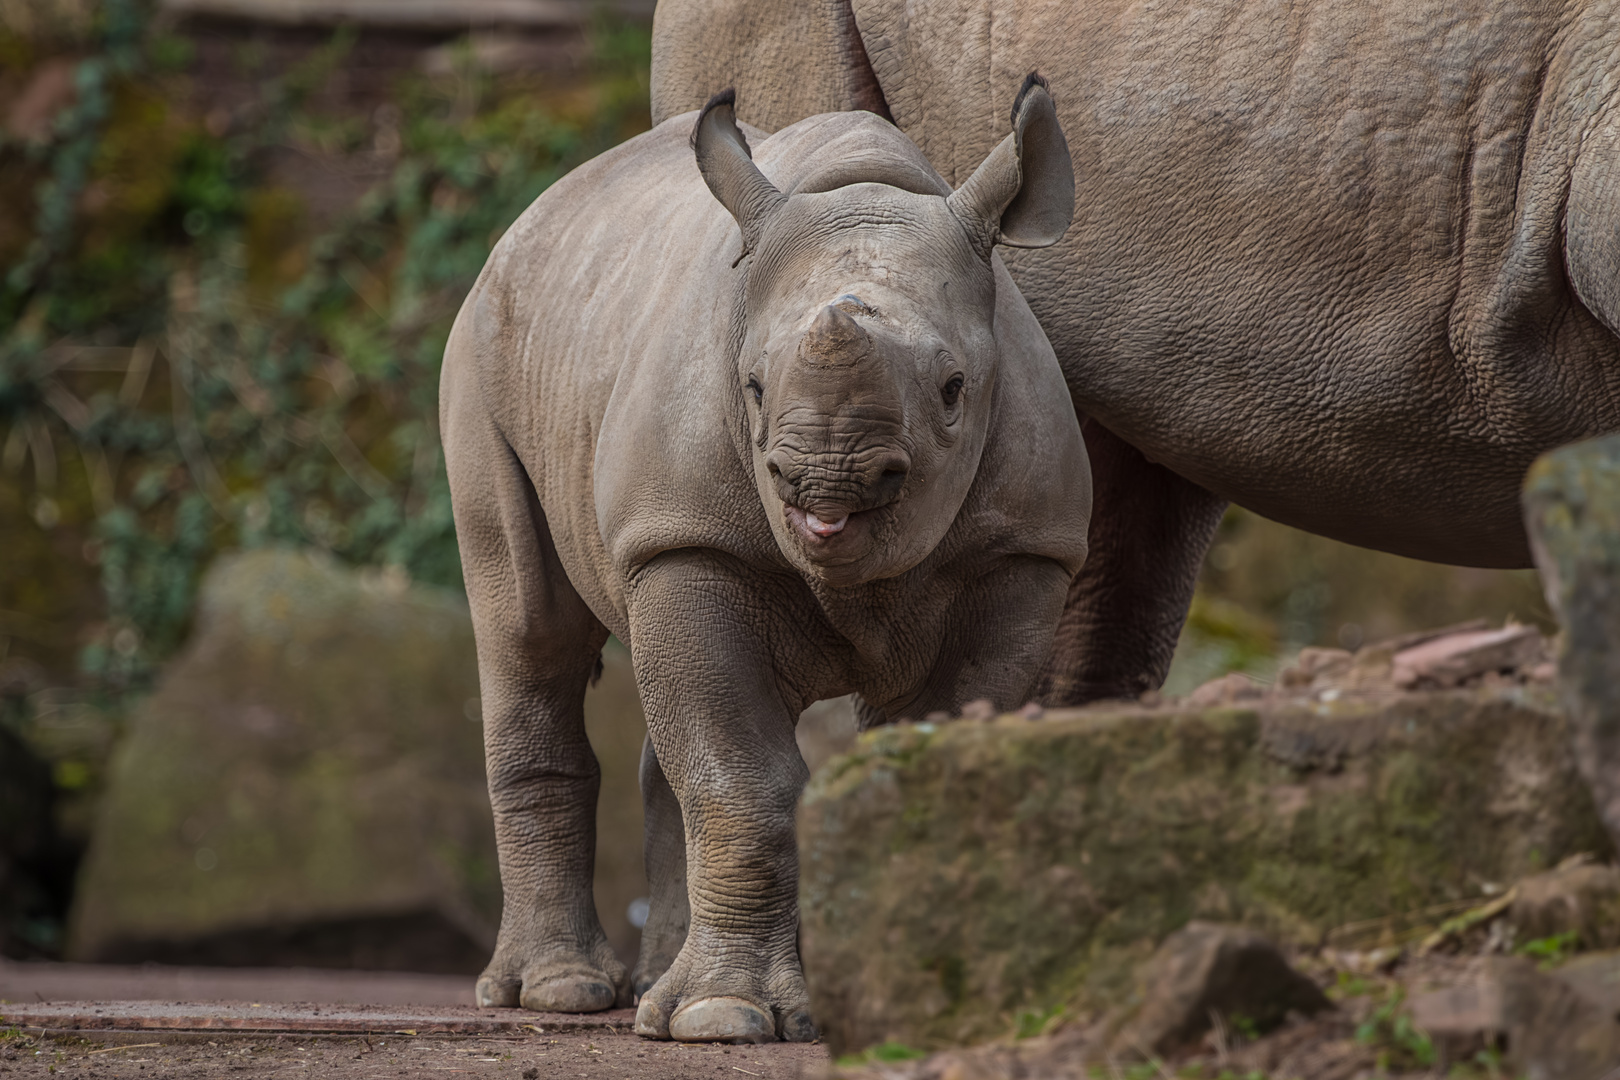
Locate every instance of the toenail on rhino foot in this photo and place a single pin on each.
(722, 1019)
(570, 994)
(651, 1021)
(493, 993)
(798, 1027)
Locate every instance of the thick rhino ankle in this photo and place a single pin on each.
(647, 974)
(659, 948)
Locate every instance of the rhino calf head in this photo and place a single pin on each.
(868, 357)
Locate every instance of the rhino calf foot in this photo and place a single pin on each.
(725, 1019)
(568, 987)
(727, 1006)
(569, 994)
(495, 992)
(719, 1019)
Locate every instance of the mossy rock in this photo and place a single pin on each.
(1572, 511)
(305, 785)
(959, 879)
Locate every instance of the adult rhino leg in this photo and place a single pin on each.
(1591, 236)
(723, 735)
(668, 915)
(538, 644)
(1149, 532)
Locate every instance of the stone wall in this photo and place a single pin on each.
(957, 876)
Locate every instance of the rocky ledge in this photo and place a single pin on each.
(994, 876)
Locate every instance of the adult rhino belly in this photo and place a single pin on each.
(1296, 368)
(1281, 210)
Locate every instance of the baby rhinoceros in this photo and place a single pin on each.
(787, 428)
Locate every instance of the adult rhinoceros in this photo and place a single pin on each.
(815, 446)
(1350, 265)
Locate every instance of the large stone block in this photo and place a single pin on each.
(957, 876)
(305, 785)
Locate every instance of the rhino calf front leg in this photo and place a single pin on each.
(724, 737)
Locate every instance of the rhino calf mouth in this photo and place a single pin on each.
(833, 524)
(832, 532)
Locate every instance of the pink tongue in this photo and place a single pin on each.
(824, 528)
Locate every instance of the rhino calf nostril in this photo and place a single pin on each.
(896, 467)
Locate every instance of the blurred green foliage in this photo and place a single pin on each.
(1552, 950)
(1033, 1022)
(190, 361)
(1398, 1043)
(886, 1053)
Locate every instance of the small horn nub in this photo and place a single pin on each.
(834, 339)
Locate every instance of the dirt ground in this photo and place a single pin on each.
(33, 981)
(301, 1022)
(584, 1055)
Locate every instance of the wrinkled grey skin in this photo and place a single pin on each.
(813, 446)
(1350, 265)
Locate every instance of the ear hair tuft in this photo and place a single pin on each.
(1032, 80)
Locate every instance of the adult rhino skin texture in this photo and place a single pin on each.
(1350, 265)
(787, 428)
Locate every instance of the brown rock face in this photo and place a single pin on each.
(960, 878)
(1552, 1028)
(1456, 658)
(1581, 899)
(1206, 970)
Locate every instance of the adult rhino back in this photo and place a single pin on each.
(1352, 266)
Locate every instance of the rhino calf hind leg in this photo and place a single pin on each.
(538, 644)
(724, 738)
(665, 838)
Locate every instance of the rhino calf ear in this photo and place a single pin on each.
(1022, 195)
(728, 168)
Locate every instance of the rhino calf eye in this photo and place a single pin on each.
(951, 390)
